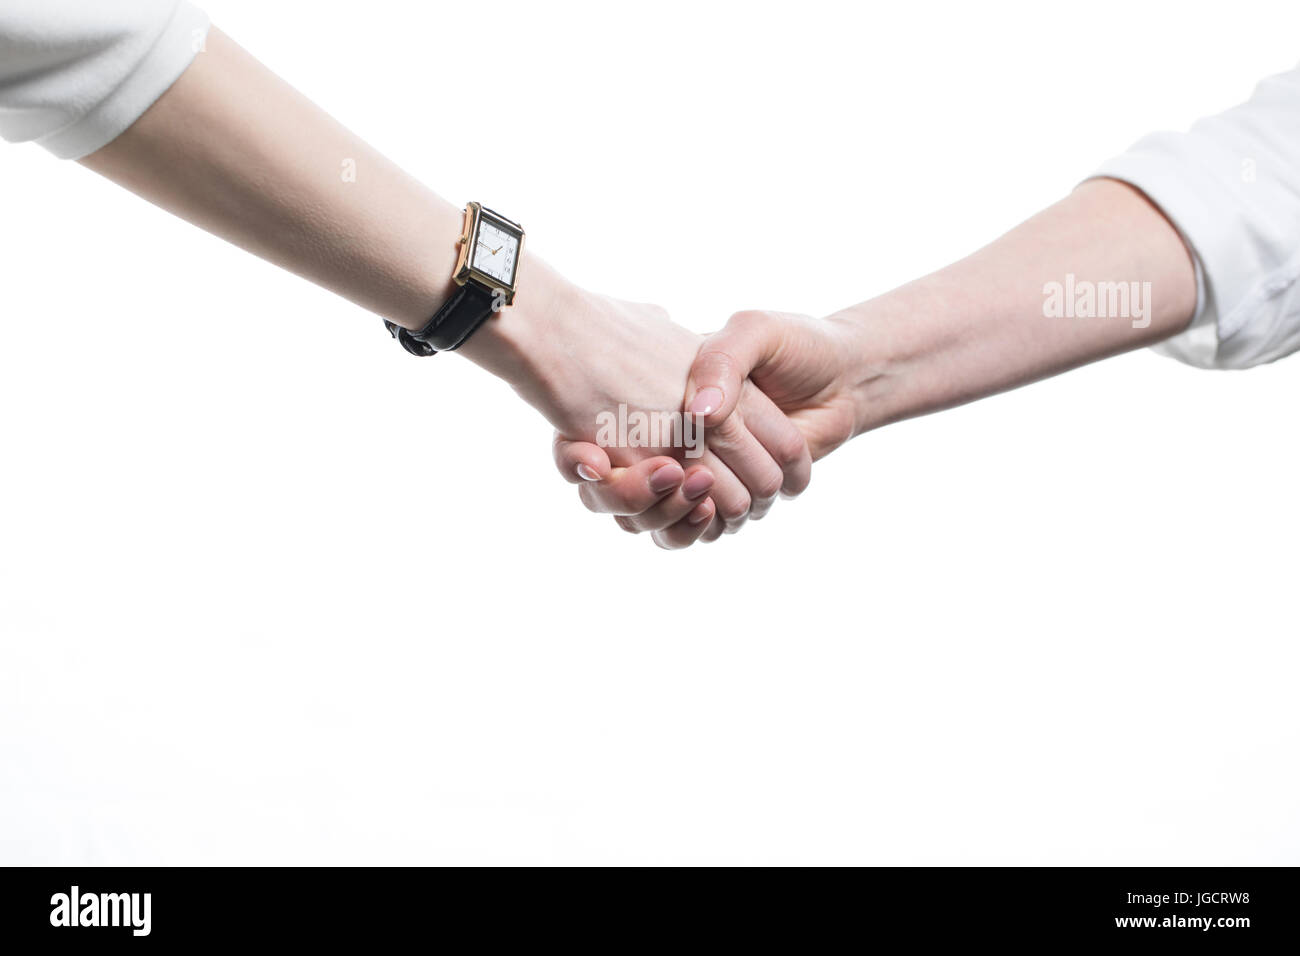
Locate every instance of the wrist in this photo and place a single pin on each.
(899, 346)
(873, 371)
(531, 344)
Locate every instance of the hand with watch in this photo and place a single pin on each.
(234, 149)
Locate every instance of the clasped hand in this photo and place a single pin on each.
(771, 390)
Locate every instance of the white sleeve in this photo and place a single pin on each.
(1231, 186)
(74, 74)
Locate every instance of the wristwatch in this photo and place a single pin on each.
(486, 269)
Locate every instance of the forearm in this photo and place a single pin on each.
(979, 326)
(235, 150)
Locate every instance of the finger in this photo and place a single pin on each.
(580, 461)
(676, 505)
(731, 441)
(687, 531)
(714, 531)
(609, 490)
(729, 494)
(630, 491)
(725, 360)
(780, 438)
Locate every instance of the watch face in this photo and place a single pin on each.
(496, 252)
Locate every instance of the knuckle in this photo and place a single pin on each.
(749, 319)
(796, 486)
(734, 509)
(728, 432)
(790, 449)
(770, 486)
(716, 363)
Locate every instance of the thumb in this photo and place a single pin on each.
(725, 360)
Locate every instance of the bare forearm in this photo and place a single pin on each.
(237, 151)
(982, 325)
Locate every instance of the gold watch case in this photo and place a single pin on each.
(475, 214)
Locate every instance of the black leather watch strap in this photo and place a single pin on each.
(467, 309)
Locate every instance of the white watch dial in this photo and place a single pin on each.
(495, 252)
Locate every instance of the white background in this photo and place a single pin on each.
(273, 592)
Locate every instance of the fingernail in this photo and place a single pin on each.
(697, 484)
(666, 478)
(705, 401)
(587, 473)
(701, 514)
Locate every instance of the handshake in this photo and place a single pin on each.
(771, 393)
(687, 438)
(752, 406)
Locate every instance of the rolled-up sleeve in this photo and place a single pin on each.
(1231, 186)
(74, 74)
